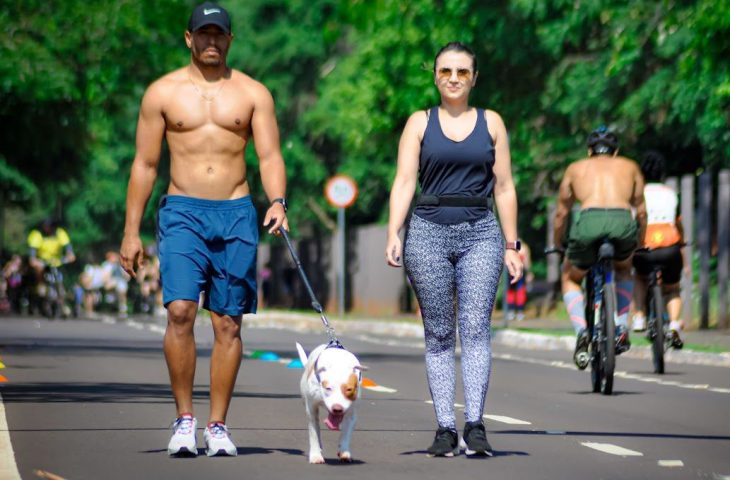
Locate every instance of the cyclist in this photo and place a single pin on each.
(663, 240)
(49, 245)
(608, 187)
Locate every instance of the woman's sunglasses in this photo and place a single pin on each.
(463, 74)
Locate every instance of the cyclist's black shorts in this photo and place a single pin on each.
(669, 259)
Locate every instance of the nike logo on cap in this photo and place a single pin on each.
(207, 11)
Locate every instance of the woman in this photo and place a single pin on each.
(663, 240)
(454, 250)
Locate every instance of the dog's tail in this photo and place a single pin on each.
(302, 354)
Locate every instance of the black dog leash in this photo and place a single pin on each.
(334, 342)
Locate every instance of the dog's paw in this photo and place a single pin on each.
(345, 457)
(316, 458)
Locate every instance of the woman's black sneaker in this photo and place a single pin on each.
(445, 444)
(475, 437)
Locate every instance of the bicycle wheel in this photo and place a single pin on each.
(656, 322)
(608, 338)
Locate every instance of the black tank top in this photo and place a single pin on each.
(460, 168)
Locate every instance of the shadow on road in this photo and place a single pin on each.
(503, 453)
(110, 393)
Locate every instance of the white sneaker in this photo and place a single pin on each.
(183, 437)
(217, 441)
(639, 323)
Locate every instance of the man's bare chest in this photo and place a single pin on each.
(195, 112)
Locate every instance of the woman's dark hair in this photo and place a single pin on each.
(653, 167)
(457, 47)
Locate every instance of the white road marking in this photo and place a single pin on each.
(720, 390)
(508, 420)
(670, 463)
(612, 449)
(618, 373)
(157, 329)
(8, 468)
(496, 418)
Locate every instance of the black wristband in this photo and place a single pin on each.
(282, 201)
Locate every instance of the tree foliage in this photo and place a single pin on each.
(345, 75)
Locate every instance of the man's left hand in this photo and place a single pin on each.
(275, 218)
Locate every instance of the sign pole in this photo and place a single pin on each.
(343, 261)
(341, 192)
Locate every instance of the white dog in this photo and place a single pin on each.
(332, 378)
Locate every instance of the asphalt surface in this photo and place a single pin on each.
(91, 400)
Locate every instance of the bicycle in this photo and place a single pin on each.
(658, 331)
(53, 294)
(600, 292)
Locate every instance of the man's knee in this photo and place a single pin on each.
(181, 313)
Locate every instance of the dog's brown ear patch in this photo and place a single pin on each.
(349, 389)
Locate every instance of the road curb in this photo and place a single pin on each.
(513, 338)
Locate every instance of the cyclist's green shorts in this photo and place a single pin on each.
(595, 225)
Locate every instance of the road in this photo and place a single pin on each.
(91, 400)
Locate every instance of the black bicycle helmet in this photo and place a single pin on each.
(602, 141)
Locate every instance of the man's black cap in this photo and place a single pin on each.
(209, 13)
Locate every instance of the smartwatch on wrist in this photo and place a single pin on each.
(282, 201)
(516, 245)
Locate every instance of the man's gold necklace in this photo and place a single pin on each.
(207, 98)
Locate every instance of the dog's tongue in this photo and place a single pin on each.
(333, 421)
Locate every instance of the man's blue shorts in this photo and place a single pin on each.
(209, 246)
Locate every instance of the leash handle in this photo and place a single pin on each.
(315, 303)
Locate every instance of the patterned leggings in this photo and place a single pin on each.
(455, 271)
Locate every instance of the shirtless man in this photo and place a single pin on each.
(607, 187)
(207, 225)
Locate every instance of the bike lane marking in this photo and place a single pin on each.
(617, 373)
(612, 449)
(8, 467)
(496, 418)
(507, 420)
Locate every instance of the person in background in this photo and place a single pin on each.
(517, 292)
(663, 242)
(610, 190)
(49, 246)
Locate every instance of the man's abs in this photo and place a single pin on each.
(211, 177)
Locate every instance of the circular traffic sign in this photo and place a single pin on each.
(341, 191)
